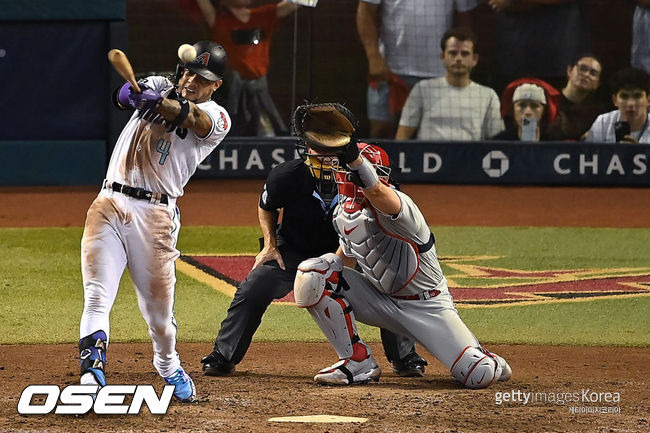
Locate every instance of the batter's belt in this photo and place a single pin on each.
(139, 193)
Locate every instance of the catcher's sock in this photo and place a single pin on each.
(359, 352)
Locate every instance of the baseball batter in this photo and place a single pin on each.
(401, 286)
(134, 221)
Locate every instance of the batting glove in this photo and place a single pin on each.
(145, 100)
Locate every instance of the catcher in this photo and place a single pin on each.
(305, 191)
(400, 285)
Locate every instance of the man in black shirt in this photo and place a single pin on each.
(305, 190)
(306, 231)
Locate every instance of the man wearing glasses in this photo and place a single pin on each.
(580, 104)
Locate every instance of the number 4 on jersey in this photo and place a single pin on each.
(163, 148)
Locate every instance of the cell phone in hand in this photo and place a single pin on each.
(529, 129)
(621, 129)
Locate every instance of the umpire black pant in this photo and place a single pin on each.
(262, 285)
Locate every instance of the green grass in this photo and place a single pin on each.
(42, 296)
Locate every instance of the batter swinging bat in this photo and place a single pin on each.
(123, 67)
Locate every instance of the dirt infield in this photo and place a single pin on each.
(280, 385)
(234, 203)
(275, 378)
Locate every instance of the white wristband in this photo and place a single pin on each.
(366, 174)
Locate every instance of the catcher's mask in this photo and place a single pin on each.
(351, 197)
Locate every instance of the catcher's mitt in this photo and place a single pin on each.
(325, 127)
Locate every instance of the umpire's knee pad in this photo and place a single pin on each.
(476, 368)
(314, 276)
(92, 353)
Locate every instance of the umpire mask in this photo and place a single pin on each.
(321, 168)
(323, 129)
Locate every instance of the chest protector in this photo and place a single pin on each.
(388, 261)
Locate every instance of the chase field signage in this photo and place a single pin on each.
(489, 162)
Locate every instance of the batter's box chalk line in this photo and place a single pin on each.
(318, 418)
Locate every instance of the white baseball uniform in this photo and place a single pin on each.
(386, 249)
(122, 230)
(400, 288)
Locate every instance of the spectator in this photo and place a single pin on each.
(398, 37)
(529, 109)
(551, 108)
(579, 104)
(641, 36)
(629, 122)
(452, 107)
(537, 38)
(246, 35)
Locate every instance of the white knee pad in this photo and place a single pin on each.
(313, 276)
(476, 368)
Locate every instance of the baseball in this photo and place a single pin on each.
(186, 53)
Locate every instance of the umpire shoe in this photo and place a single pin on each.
(215, 364)
(185, 390)
(349, 372)
(412, 365)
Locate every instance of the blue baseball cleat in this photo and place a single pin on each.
(185, 390)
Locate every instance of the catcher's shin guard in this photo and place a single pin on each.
(356, 364)
(317, 285)
(477, 368)
(92, 353)
(335, 317)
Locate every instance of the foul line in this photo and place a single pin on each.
(199, 275)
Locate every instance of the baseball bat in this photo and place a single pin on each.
(123, 67)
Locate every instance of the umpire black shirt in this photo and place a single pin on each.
(306, 225)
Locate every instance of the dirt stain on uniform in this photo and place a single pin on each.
(164, 253)
(102, 215)
(140, 157)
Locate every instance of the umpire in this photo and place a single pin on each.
(305, 190)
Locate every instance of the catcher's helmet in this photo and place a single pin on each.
(210, 61)
(351, 195)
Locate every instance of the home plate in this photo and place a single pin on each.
(317, 418)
